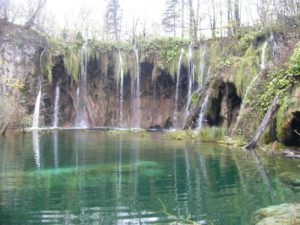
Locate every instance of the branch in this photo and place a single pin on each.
(297, 132)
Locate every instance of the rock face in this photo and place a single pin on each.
(102, 98)
(285, 214)
(19, 52)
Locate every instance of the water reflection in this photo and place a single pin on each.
(55, 148)
(36, 148)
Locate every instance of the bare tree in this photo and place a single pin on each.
(4, 8)
(171, 16)
(34, 12)
(112, 19)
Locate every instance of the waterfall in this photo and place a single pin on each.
(81, 90)
(202, 114)
(36, 114)
(190, 77)
(274, 45)
(263, 56)
(56, 107)
(177, 87)
(137, 94)
(202, 77)
(262, 67)
(121, 94)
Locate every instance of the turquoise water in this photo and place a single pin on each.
(94, 177)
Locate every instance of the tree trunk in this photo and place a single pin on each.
(192, 18)
(182, 18)
(33, 17)
(266, 120)
(237, 20)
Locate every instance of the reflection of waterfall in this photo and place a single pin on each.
(137, 94)
(190, 80)
(121, 94)
(56, 107)
(188, 178)
(81, 90)
(55, 148)
(177, 89)
(36, 114)
(175, 181)
(202, 114)
(36, 148)
(119, 172)
(263, 56)
(136, 175)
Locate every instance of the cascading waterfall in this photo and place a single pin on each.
(136, 107)
(274, 45)
(202, 114)
(36, 114)
(81, 90)
(190, 84)
(177, 88)
(56, 107)
(121, 94)
(263, 56)
(262, 67)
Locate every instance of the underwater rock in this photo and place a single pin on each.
(290, 178)
(287, 214)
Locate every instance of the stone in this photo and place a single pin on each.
(290, 178)
(284, 214)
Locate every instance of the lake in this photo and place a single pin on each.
(100, 177)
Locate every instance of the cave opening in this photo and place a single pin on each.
(293, 134)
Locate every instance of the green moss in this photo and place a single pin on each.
(281, 114)
(212, 134)
(180, 135)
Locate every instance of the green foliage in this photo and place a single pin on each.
(247, 38)
(281, 80)
(281, 114)
(166, 52)
(225, 63)
(294, 62)
(181, 135)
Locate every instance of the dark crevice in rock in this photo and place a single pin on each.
(292, 137)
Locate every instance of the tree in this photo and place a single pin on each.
(112, 20)
(4, 7)
(171, 16)
(34, 12)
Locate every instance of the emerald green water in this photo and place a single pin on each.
(77, 177)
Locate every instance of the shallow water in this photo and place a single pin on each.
(96, 177)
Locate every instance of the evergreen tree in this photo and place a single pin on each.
(171, 16)
(112, 19)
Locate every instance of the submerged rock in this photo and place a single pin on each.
(284, 214)
(290, 178)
